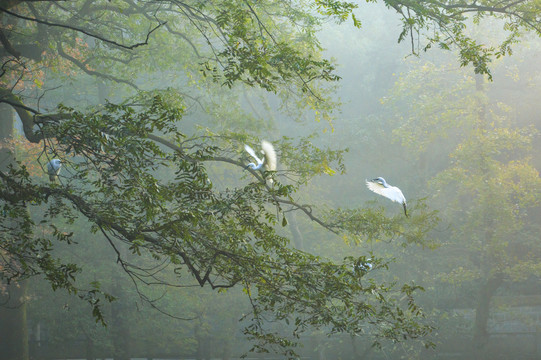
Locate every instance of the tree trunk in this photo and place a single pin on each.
(13, 329)
(89, 348)
(6, 132)
(119, 327)
(229, 339)
(298, 239)
(203, 339)
(482, 312)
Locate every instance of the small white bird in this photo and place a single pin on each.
(53, 168)
(269, 157)
(363, 266)
(380, 186)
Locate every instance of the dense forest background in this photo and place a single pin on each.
(156, 242)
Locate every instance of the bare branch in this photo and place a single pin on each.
(84, 67)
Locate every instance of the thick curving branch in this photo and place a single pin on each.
(7, 45)
(29, 116)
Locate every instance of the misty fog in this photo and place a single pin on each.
(214, 260)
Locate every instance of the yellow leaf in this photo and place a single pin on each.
(328, 170)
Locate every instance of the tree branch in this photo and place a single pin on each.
(7, 45)
(83, 67)
(108, 41)
(29, 117)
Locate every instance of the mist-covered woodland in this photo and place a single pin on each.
(136, 221)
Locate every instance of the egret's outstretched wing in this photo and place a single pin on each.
(378, 189)
(251, 151)
(391, 192)
(270, 155)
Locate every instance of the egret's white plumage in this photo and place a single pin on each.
(269, 157)
(53, 168)
(380, 187)
(363, 266)
(259, 162)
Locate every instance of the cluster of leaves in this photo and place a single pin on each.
(444, 24)
(308, 160)
(257, 53)
(268, 44)
(28, 243)
(371, 225)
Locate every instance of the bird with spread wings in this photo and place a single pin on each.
(380, 187)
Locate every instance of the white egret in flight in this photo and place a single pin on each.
(269, 157)
(380, 186)
(53, 168)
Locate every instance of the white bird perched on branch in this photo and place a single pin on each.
(380, 186)
(53, 168)
(269, 157)
(363, 266)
